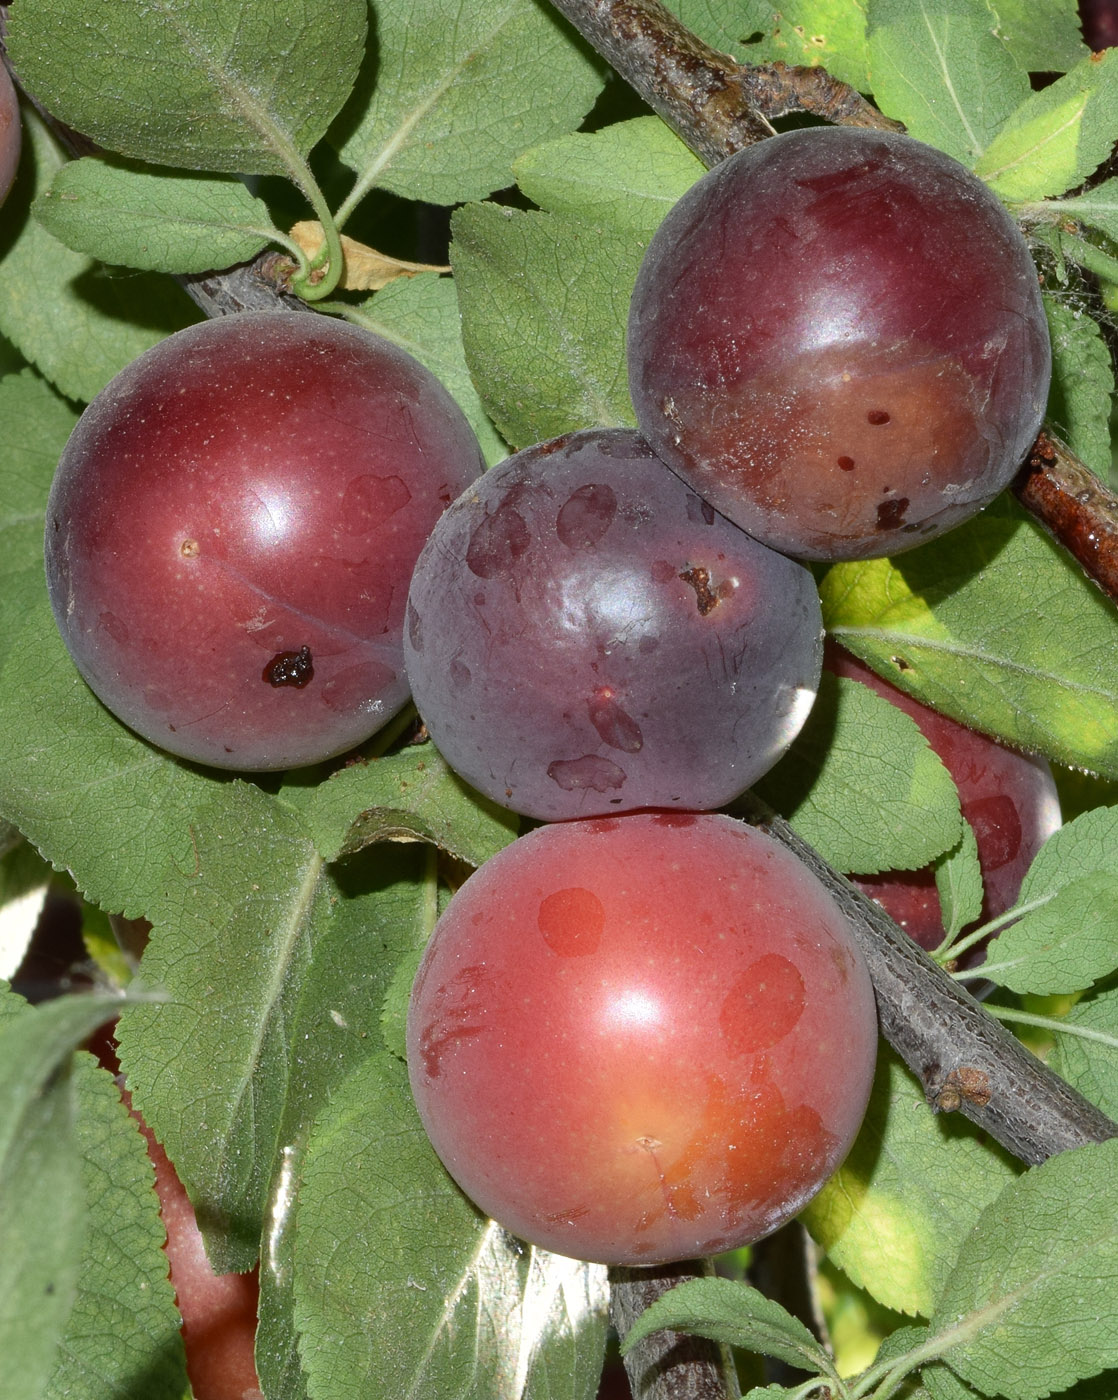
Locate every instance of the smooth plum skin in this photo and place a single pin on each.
(837, 337)
(640, 1039)
(1009, 799)
(232, 528)
(10, 132)
(586, 636)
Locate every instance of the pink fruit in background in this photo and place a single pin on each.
(837, 338)
(642, 1038)
(232, 528)
(1009, 798)
(10, 137)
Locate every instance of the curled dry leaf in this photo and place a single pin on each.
(366, 270)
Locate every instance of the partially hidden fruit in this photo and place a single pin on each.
(837, 337)
(587, 636)
(1009, 799)
(10, 132)
(232, 528)
(642, 1038)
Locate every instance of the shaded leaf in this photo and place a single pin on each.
(959, 883)
(1082, 383)
(862, 785)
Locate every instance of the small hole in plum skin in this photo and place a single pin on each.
(877, 416)
(706, 600)
(846, 463)
(890, 514)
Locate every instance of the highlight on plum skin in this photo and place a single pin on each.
(232, 528)
(640, 1039)
(837, 337)
(1009, 798)
(586, 636)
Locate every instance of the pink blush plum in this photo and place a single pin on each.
(232, 528)
(642, 1038)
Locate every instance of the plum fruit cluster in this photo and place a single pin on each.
(641, 1032)
(586, 636)
(231, 531)
(642, 1038)
(837, 337)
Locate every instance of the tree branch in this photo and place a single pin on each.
(1074, 507)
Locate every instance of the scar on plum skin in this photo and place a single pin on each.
(290, 668)
(705, 597)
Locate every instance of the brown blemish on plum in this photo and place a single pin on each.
(877, 416)
(188, 549)
(846, 463)
(585, 516)
(589, 771)
(290, 668)
(890, 514)
(615, 727)
(572, 922)
(762, 1006)
(706, 599)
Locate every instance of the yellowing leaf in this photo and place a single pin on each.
(366, 270)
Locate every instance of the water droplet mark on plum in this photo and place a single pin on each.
(589, 771)
(585, 516)
(763, 1005)
(290, 668)
(615, 727)
(497, 542)
(572, 922)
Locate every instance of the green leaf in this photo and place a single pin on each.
(122, 1341)
(402, 1289)
(626, 176)
(1063, 946)
(37, 423)
(420, 314)
(1031, 1304)
(894, 1215)
(810, 33)
(735, 1314)
(1086, 846)
(408, 796)
(77, 321)
(41, 1193)
(862, 785)
(122, 213)
(221, 85)
(942, 69)
(371, 912)
(1089, 1062)
(461, 91)
(959, 883)
(1043, 35)
(1079, 400)
(992, 625)
(1058, 136)
(544, 304)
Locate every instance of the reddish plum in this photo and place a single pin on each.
(232, 528)
(642, 1038)
(10, 134)
(837, 337)
(1009, 798)
(586, 636)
